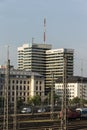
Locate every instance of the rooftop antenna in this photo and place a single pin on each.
(44, 30)
(32, 40)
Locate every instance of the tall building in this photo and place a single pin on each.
(43, 59)
(32, 57)
(55, 64)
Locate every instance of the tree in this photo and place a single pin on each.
(75, 100)
(35, 100)
(56, 99)
(20, 103)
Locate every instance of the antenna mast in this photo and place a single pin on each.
(44, 30)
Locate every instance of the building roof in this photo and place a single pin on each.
(20, 72)
(73, 79)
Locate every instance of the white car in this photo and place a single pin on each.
(41, 110)
(26, 110)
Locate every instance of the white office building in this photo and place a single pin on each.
(76, 87)
(55, 64)
(32, 57)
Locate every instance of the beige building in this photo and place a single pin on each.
(25, 83)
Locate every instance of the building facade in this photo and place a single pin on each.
(41, 58)
(32, 57)
(76, 87)
(55, 64)
(25, 83)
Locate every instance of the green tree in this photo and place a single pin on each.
(75, 100)
(20, 102)
(35, 100)
(56, 99)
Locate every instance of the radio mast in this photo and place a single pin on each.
(44, 30)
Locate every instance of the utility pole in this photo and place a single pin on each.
(15, 112)
(52, 96)
(6, 86)
(64, 96)
(82, 84)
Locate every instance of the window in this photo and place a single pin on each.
(20, 87)
(27, 82)
(27, 87)
(24, 82)
(24, 87)
(16, 81)
(40, 82)
(40, 87)
(13, 87)
(20, 81)
(36, 82)
(17, 87)
(36, 87)
(12, 93)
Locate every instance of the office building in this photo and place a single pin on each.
(76, 87)
(55, 64)
(41, 58)
(32, 57)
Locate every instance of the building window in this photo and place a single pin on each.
(24, 82)
(20, 87)
(16, 81)
(27, 82)
(8, 87)
(24, 87)
(36, 82)
(13, 81)
(36, 87)
(13, 87)
(12, 98)
(40, 82)
(40, 87)
(20, 81)
(28, 94)
(24, 93)
(17, 87)
(12, 93)
(27, 87)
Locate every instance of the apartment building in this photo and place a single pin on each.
(55, 64)
(76, 87)
(25, 83)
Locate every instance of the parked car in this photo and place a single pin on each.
(26, 110)
(41, 110)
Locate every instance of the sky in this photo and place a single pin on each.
(66, 27)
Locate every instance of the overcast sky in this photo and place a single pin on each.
(66, 27)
